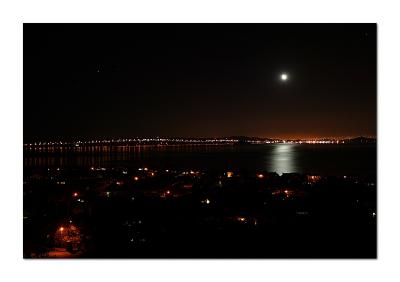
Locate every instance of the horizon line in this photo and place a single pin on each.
(116, 139)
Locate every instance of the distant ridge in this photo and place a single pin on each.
(360, 140)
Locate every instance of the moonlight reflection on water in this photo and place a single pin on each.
(283, 159)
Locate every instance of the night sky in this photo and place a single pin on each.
(199, 80)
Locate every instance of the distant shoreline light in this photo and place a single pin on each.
(174, 141)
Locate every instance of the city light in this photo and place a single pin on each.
(177, 141)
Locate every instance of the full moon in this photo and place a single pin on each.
(284, 76)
